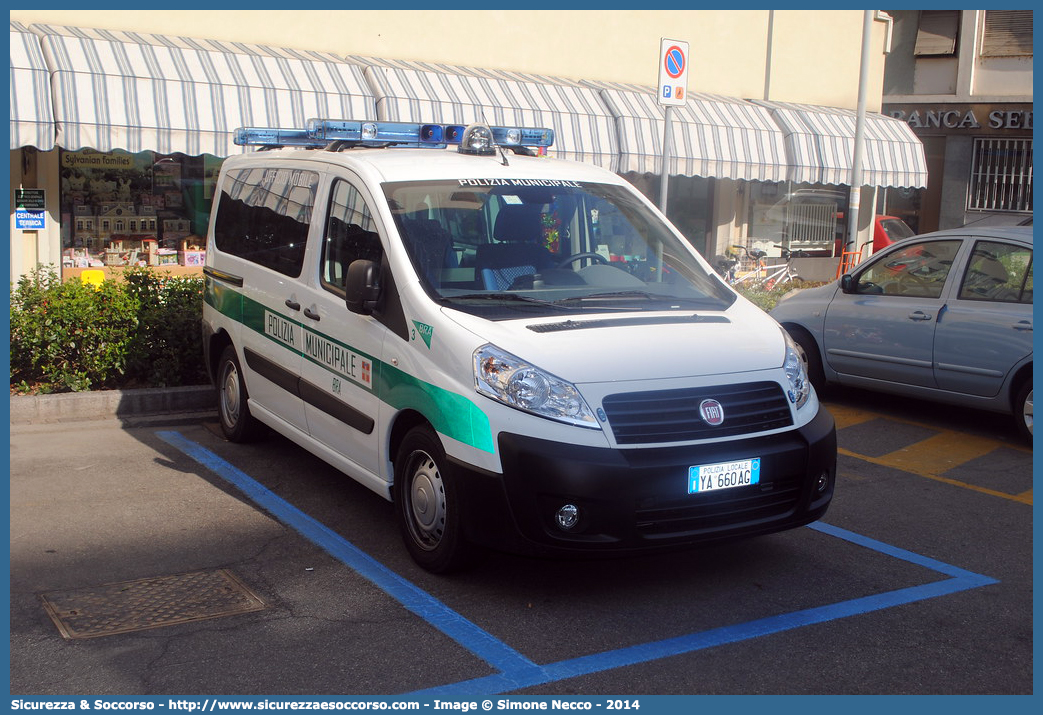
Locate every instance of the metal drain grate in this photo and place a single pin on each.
(149, 603)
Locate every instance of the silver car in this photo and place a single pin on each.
(944, 316)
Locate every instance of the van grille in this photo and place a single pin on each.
(673, 415)
(732, 506)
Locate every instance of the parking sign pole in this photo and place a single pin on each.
(860, 122)
(673, 86)
(664, 179)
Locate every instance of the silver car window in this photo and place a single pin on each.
(1000, 272)
(917, 269)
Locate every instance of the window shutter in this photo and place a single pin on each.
(1008, 33)
(937, 32)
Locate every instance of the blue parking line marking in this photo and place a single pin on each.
(517, 671)
(644, 652)
(894, 551)
(490, 649)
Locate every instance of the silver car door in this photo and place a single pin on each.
(884, 328)
(987, 326)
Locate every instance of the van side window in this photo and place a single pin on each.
(350, 235)
(264, 215)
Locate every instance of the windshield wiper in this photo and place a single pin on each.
(509, 297)
(625, 294)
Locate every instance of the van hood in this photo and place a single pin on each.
(605, 347)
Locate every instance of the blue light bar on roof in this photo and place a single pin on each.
(430, 135)
(320, 132)
(521, 136)
(506, 136)
(250, 136)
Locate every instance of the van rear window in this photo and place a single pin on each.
(263, 216)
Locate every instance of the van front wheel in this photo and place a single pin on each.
(237, 424)
(427, 503)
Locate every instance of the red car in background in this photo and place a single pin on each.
(886, 230)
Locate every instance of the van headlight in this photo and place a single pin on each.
(509, 379)
(799, 388)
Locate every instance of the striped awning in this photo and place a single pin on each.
(712, 136)
(32, 122)
(820, 143)
(136, 91)
(413, 92)
(444, 68)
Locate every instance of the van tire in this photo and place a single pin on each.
(427, 503)
(237, 424)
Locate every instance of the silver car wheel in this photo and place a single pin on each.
(1026, 412)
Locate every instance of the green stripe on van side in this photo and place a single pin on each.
(450, 413)
(224, 299)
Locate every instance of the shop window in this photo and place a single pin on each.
(689, 204)
(798, 217)
(1008, 33)
(1001, 175)
(114, 204)
(937, 33)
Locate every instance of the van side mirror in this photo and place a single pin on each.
(847, 283)
(362, 287)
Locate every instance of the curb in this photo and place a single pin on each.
(111, 404)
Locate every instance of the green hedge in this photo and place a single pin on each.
(141, 331)
(767, 299)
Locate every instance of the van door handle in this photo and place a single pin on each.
(919, 315)
(309, 313)
(292, 304)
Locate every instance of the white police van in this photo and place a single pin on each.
(520, 352)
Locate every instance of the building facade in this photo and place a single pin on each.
(962, 80)
(128, 115)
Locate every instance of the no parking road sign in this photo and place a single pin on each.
(673, 71)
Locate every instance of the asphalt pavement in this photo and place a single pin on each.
(100, 500)
(253, 596)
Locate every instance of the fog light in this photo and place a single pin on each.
(823, 481)
(567, 516)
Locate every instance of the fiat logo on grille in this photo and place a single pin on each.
(711, 412)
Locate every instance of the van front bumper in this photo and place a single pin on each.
(632, 500)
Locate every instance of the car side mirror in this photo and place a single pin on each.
(362, 287)
(847, 283)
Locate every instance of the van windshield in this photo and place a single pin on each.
(499, 247)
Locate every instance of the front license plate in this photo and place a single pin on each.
(724, 475)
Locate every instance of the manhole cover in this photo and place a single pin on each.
(149, 603)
